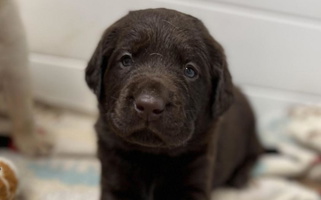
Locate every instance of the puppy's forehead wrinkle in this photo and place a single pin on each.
(150, 73)
(156, 54)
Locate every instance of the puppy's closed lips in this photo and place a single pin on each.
(146, 137)
(146, 133)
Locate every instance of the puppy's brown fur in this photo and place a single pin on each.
(204, 136)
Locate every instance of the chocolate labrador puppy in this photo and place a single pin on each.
(171, 124)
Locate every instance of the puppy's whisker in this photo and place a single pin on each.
(112, 97)
(177, 28)
(192, 110)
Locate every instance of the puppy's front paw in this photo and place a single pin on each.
(34, 142)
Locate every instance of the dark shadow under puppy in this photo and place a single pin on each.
(172, 126)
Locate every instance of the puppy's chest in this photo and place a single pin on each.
(146, 175)
(160, 175)
(152, 169)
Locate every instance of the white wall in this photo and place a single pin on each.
(273, 46)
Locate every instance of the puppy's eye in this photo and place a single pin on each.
(190, 71)
(126, 60)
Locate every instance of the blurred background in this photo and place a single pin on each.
(272, 46)
(273, 49)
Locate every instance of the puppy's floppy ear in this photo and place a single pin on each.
(98, 63)
(222, 96)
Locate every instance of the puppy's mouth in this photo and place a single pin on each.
(146, 138)
(149, 135)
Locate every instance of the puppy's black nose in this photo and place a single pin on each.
(149, 107)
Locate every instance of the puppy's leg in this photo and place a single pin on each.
(191, 180)
(242, 173)
(17, 92)
(192, 183)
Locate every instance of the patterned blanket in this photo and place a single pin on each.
(73, 172)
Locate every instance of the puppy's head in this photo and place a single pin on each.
(159, 77)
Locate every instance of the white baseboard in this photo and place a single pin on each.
(272, 103)
(60, 81)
